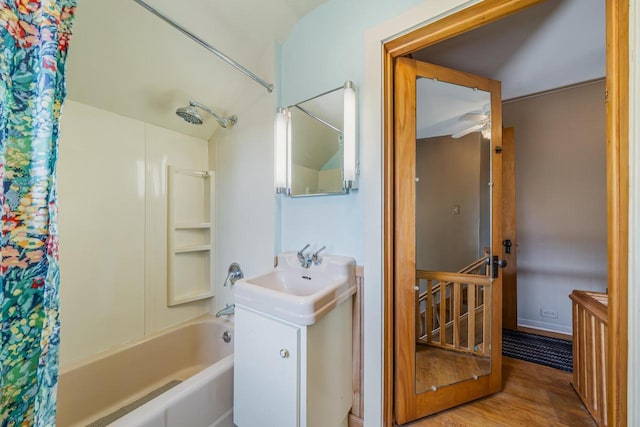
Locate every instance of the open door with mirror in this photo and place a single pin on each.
(447, 298)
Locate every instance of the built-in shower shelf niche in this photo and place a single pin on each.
(193, 226)
(191, 249)
(190, 204)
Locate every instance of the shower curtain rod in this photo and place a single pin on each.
(225, 58)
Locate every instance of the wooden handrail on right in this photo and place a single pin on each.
(590, 330)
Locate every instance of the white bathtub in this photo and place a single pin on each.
(193, 353)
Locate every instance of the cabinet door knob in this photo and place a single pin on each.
(284, 353)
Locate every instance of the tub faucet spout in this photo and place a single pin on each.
(227, 310)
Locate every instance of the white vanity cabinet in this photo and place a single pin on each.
(288, 375)
(266, 366)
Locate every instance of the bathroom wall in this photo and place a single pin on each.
(322, 51)
(245, 199)
(112, 195)
(561, 206)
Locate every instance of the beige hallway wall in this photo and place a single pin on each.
(561, 200)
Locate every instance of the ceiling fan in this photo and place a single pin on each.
(478, 122)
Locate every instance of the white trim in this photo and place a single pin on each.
(372, 178)
(633, 387)
(545, 326)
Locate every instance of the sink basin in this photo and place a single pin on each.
(299, 295)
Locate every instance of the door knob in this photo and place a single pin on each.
(284, 353)
(498, 263)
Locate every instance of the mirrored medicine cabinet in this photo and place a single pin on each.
(318, 156)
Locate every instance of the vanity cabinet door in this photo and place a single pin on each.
(266, 371)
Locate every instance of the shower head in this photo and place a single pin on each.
(190, 115)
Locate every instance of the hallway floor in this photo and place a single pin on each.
(532, 395)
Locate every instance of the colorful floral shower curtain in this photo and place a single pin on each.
(34, 36)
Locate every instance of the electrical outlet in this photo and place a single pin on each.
(547, 312)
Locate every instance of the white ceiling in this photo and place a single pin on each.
(125, 60)
(555, 44)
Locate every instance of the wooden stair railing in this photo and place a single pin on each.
(590, 330)
(443, 309)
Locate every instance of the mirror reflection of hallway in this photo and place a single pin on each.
(452, 232)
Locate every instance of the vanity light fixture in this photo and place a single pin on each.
(349, 148)
(282, 151)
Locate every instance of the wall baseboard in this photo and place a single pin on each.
(545, 326)
(545, 333)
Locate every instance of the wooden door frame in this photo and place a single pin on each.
(509, 287)
(617, 140)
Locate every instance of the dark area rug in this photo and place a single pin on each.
(547, 351)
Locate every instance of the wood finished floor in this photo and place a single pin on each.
(532, 395)
(439, 367)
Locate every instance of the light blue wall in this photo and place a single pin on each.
(323, 50)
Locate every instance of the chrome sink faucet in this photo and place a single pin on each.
(316, 257)
(306, 259)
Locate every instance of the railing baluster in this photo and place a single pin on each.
(443, 313)
(448, 298)
(471, 309)
(486, 321)
(417, 309)
(456, 301)
(429, 315)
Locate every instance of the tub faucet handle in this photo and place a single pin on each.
(316, 257)
(234, 274)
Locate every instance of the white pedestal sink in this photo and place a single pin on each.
(292, 356)
(296, 294)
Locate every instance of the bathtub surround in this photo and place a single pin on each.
(34, 39)
(106, 157)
